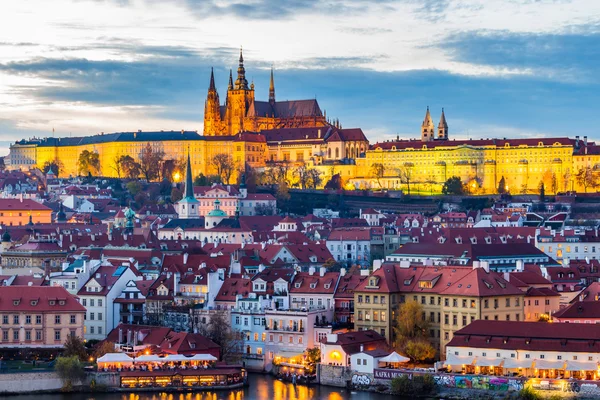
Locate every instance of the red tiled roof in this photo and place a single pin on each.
(580, 310)
(37, 299)
(315, 283)
(24, 204)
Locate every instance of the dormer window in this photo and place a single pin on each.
(34, 302)
(327, 286)
(52, 302)
(16, 302)
(313, 285)
(297, 285)
(62, 302)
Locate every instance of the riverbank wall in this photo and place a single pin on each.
(29, 382)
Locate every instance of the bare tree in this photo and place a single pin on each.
(218, 329)
(224, 165)
(116, 165)
(378, 171)
(405, 174)
(130, 168)
(150, 162)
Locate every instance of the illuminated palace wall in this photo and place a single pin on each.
(481, 164)
(246, 147)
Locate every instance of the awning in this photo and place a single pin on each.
(394, 358)
(581, 366)
(487, 362)
(288, 354)
(513, 363)
(204, 357)
(457, 360)
(547, 364)
(115, 358)
(149, 358)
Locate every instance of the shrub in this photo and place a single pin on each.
(402, 385)
(529, 393)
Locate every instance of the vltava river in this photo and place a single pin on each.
(261, 387)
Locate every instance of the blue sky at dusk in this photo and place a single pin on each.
(510, 68)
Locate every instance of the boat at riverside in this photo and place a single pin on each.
(153, 372)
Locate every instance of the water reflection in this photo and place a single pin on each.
(261, 387)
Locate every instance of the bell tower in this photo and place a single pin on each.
(443, 127)
(212, 113)
(239, 98)
(427, 128)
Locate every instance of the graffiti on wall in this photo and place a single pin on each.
(478, 382)
(445, 380)
(360, 380)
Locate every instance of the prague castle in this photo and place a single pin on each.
(260, 134)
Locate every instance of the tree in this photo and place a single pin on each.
(566, 179)
(585, 178)
(130, 168)
(542, 192)
(453, 186)
(116, 165)
(176, 195)
(419, 350)
(335, 183)
(264, 209)
(69, 370)
(283, 193)
(409, 322)
(88, 163)
(312, 358)
(103, 348)
(56, 165)
(554, 183)
(307, 177)
(218, 329)
(502, 186)
(405, 175)
(202, 180)
(74, 346)
(223, 163)
(377, 171)
(134, 188)
(150, 162)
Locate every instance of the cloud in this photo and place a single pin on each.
(567, 57)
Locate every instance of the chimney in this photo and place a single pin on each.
(185, 258)
(342, 271)
(404, 264)
(520, 266)
(506, 276)
(476, 264)
(376, 265)
(362, 348)
(322, 271)
(176, 278)
(577, 141)
(311, 271)
(485, 265)
(261, 268)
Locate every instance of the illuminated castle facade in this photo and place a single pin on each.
(242, 112)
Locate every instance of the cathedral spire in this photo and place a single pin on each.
(189, 184)
(230, 86)
(272, 89)
(241, 83)
(211, 87)
(427, 128)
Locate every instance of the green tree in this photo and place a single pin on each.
(377, 171)
(313, 357)
(150, 163)
(502, 186)
(410, 322)
(56, 165)
(453, 186)
(88, 163)
(70, 371)
(202, 180)
(74, 346)
(134, 187)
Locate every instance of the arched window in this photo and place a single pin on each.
(328, 153)
(337, 153)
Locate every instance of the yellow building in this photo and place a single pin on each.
(449, 298)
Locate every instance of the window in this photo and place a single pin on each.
(5, 319)
(99, 316)
(383, 317)
(559, 357)
(454, 320)
(446, 302)
(527, 356)
(57, 319)
(486, 303)
(454, 303)
(28, 335)
(472, 303)
(5, 336)
(92, 316)
(28, 319)
(464, 320)
(446, 336)
(291, 340)
(38, 335)
(16, 335)
(508, 302)
(16, 319)
(72, 319)
(360, 298)
(38, 319)
(517, 302)
(464, 303)
(84, 302)
(542, 356)
(300, 339)
(91, 302)
(446, 319)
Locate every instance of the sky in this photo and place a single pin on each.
(499, 68)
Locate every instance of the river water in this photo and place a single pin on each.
(261, 387)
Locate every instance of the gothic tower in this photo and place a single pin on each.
(212, 113)
(443, 128)
(272, 89)
(427, 128)
(239, 99)
(188, 206)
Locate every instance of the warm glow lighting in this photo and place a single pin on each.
(177, 176)
(336, 355)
